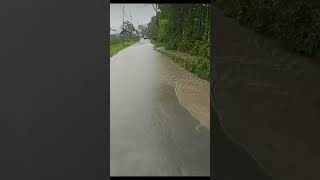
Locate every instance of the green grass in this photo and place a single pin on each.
(116, 47)
(197, 65)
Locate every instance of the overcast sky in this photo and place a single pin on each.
(141, 13)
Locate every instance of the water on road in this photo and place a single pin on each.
(159, 116)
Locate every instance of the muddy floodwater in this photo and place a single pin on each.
(159, 116)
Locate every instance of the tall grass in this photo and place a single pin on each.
(117, 45)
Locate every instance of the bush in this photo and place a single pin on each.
(182, 27)
(162, 29)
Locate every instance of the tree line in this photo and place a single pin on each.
(183, 27)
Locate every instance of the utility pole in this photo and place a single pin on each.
(122, 24)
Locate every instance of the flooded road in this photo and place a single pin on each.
(159, 116)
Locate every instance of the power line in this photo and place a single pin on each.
(124, 14)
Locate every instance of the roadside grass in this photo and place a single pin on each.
(155, 43)
(116, 47)
(197, 65)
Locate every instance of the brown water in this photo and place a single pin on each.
(193, 92)
(156, 112)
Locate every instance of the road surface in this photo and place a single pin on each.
(151, 133)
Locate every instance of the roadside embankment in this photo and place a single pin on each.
(192, 91)
(198, 65)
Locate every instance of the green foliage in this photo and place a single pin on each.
(186, 28)
(162, 29)
(153, 28)
(114, 39)
(183, 27)
(296, 23)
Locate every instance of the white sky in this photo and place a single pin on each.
(141, 13)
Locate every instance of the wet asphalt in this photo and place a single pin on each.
(151, 134)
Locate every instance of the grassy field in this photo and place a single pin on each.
(115, 47)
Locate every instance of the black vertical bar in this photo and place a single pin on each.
(53, 91)
(107, 170)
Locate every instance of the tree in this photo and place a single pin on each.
(142, 29)
(127, 29)
(183, 27)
